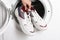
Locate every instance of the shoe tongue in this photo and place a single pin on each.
(21, 12)
(23, 8)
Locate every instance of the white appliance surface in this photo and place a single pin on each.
(52, 33)
(9, 2)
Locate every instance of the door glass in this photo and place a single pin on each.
(3, 15)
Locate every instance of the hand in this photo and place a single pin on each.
(27, 4)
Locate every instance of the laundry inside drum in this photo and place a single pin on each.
(3, 15)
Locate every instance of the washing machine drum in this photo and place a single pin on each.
(43, 7)
(3, 17)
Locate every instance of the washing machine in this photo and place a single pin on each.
(7, 8)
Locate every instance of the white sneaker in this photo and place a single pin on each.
(38, 22)
(24, 21)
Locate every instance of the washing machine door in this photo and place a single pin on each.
(5, 12)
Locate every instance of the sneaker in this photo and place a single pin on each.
(37, 21)
(24, 20)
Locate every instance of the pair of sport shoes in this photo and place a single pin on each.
(28, 18)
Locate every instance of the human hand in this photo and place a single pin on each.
(26, 4)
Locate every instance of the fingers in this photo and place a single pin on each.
(29, 4)
(26, 4)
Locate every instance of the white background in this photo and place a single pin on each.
(52, 33)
